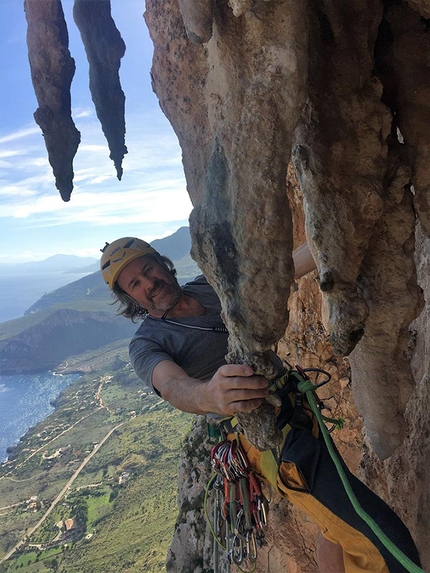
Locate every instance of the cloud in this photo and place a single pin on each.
(152, 189)
(9, 153)
(22, 133)
(79, 113)
(150, 201)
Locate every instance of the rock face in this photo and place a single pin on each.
(341, 90)
(257, 92)
(332, 89)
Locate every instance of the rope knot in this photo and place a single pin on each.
(305, 386)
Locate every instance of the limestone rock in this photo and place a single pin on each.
(251, 113)
(405, 72)
(105, 48)
(52, 71)
(388, 280)
(197, 17)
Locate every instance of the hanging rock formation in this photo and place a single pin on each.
(105, 48)
(238, 180)
(52, 70)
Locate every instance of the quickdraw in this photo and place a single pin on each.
(240, 508)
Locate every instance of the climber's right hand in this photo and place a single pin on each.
(235, 388)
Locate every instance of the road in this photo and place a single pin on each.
(62, 493)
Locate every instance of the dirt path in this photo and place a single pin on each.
(62, 493)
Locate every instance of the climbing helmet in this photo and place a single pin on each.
(117, 255)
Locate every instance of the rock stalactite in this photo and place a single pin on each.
(253, 110)
(52, 71)
(344, 153)
(105, 48)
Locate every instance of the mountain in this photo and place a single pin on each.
(24, 283)
(175, 246)
(77, 317)
(60, 263)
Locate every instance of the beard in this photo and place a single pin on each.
(163, 297)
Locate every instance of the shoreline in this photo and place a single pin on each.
(52, 403)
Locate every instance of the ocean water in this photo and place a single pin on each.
(25, 401)
(19, 292)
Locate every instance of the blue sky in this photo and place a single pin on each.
(151, 200)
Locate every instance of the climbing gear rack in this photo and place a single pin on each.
(240, 507)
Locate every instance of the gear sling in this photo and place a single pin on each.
(305, 473)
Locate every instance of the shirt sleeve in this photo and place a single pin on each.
(144, 357)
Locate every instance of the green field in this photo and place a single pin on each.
(123, 527)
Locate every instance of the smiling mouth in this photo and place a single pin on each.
(157, 290)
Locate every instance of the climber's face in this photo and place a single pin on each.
(150, 285)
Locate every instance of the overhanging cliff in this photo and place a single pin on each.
(339, 91)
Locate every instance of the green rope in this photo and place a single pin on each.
(307, 388)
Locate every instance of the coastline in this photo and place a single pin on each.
(28, 399)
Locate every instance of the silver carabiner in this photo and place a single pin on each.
(251, 546)
(237, 550)
(262, 507)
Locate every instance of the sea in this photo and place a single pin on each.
(20, 292)
(26, 400)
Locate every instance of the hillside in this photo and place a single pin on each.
(124, 495)
(78, 317)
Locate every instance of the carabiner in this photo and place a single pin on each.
(251, 546)
(237, 550)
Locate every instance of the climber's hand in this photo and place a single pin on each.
(235, 388)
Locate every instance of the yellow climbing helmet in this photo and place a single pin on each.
(119, 253)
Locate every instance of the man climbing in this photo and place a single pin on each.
(179, 350)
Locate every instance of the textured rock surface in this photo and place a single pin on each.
(401, 480)
(52, 70)
(238, 104)
(341, 88)
(249, 116)
(405, 72)
(105, 48)
(404, 477)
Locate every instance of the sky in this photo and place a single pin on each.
(150, 201)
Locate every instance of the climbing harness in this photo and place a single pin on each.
(240, 507)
